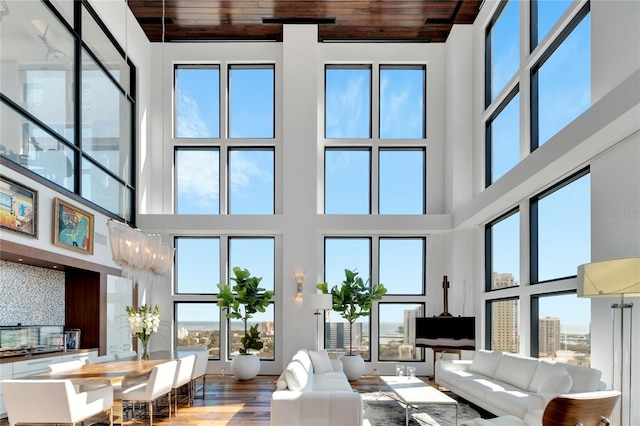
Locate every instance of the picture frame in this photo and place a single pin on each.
(18, 208)
(72, 227)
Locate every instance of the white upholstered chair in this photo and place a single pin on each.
(65, 366)
(184, 370)
(158, 385)
(54, 401)
(199, 371)
(126, 355)
(100, 359)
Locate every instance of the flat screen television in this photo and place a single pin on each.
(446, 332)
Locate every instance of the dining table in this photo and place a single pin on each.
(107, 372)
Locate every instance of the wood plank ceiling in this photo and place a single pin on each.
(353, 20)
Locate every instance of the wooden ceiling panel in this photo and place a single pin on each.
(406, 20)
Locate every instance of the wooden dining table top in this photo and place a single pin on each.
(106, 372)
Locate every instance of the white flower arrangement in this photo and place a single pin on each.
(144, 321)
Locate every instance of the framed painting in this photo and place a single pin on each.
(72, 227)
(18, 208)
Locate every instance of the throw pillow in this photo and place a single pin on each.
(321, 362)
(560, 382)
(281, 384)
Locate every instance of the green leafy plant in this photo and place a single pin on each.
(242, 301)
(353, 298)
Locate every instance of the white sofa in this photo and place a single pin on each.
(313, 391)
(510, 385)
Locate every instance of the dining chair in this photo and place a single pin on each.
(54, 401)
(199, 372)
(184, 370)
(158, 385)
(65, 366)
(126, 355)
(101, 358)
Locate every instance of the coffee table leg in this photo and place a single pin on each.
(406, 414)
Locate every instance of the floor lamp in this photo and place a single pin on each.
(616, 278)
(320, 302)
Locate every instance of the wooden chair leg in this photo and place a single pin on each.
(150, 403)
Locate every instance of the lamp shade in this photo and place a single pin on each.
(610, 278)
(317, 301)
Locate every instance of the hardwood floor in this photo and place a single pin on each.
(232, 402)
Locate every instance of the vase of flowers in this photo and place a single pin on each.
(143, 323)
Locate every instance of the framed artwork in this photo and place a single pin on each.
(72, 227)
(18, 208)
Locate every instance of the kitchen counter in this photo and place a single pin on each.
(23, 357)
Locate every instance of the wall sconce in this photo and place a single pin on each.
(299, 277)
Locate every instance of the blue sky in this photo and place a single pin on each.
(564, 81)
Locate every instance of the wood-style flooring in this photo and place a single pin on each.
(232, 402)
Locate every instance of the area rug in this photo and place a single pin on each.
(381, 410)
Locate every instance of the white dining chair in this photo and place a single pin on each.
(126, 355)
(101, 358)
(184, 370)
(54, 401)
(65, 366)
(157, 386)
(199, 372)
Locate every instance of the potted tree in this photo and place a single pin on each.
(242, 301)
(353, 299)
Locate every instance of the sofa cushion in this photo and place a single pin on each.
(516, 371)
(331, 381)
(299, 372)
(585, 379)
(321, 361)
(282, 382)
(556, 383)
(485, 362)
(544, 370)
(516, 400)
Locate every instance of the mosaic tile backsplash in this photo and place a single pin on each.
(30, 295)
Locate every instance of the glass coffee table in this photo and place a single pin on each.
(412, 392)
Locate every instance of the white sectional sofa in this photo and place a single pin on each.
(313, 391)
(506, 384)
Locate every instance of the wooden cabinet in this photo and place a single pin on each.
(119, 296)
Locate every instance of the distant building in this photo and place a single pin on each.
(183, 333)
(337, 335)
(504, 321)
(548, 336)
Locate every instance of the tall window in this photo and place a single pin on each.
(397, 332)
(563, 328)
(198, 324)
(402, 102)
(251, 181)
(197, 265)
(197, 101)
(561, 229)
(402, 181)
(251, 101)
(347, 101)
(352, 254)
(40, 128)
(503, 140)
(544, 15)
(407, 255)
(561, 81)
(502, 252)
(197, 180)
(502, 47)
(347, 181)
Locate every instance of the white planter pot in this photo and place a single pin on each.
(245, 367)
(353, 366)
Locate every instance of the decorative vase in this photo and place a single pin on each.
(353, 366)
(245, 367)
(145, 349)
